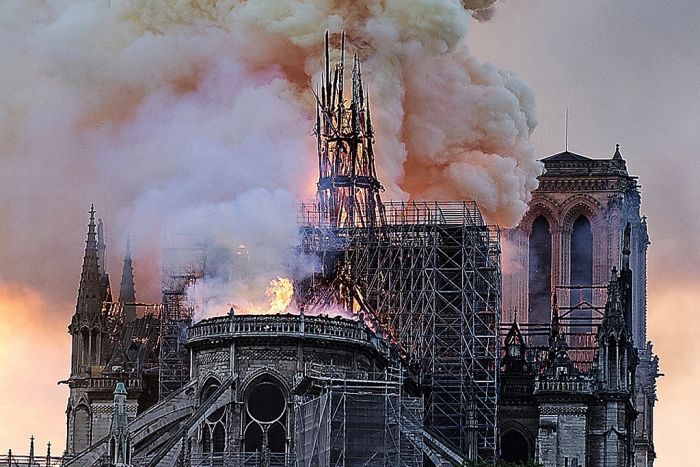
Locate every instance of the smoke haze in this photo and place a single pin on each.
(193, 119)
(164, 112)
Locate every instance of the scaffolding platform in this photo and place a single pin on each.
(346, 419)
(429, 276)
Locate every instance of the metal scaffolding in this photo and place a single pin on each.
(356, 419)
(186, 261)
(430, 277)
(427, 273)
(183, 267)
(173, 361)
(577, 322)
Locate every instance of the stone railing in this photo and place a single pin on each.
(392, 377)
(298, 326)
(106, 384)
(583, 387)
(29, 461)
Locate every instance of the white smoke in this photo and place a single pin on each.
(195, 118)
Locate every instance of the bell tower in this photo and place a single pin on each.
(583, 217)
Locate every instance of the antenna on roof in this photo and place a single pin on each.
(566, 131)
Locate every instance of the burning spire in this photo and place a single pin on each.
(348, 189)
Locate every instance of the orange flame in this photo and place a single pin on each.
(281, 292)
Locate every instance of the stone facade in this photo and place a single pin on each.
(576, 418)
(106, 349)
(266, 355)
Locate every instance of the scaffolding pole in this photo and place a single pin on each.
(357, 419)
(430, 277)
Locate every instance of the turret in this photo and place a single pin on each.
(625, 281)
(514, 360)
(127, 290)
(616, 355)
(119, 437)
(616, 362)
(559, 363)
(88, 326)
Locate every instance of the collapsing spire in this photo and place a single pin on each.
(348, 189)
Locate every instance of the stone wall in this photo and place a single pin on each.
(562, 440)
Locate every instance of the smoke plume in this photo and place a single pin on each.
(193, 119)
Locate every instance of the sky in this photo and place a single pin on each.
(626, 70)
(628, 73)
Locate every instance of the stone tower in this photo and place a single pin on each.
(112, 348)
(571, 235)
(565, 246)
(89, 332)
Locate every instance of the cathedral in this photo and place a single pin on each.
(443, 356)
(576, 380)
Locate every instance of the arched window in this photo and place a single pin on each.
(514, 447)
(540, 272)
(94, 357)
(208, 388)
(218, 434)
(253, 439)
(214, 426)
(82, 428)
(613, 367)
(266, 416)
(581, 273)
(85, 348)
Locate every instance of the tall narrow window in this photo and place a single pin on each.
(82, 428)
(581, 273)
(540, 273)
(94, 358)
(85, 352)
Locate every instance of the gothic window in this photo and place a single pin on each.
(613, 375)
(218, 432)
(82, 428)
(85, 347)
(540, 271)
(93, 347)
(209, 388)
(581, 274)
(214, 426)
(514, 447)
(266, 416)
